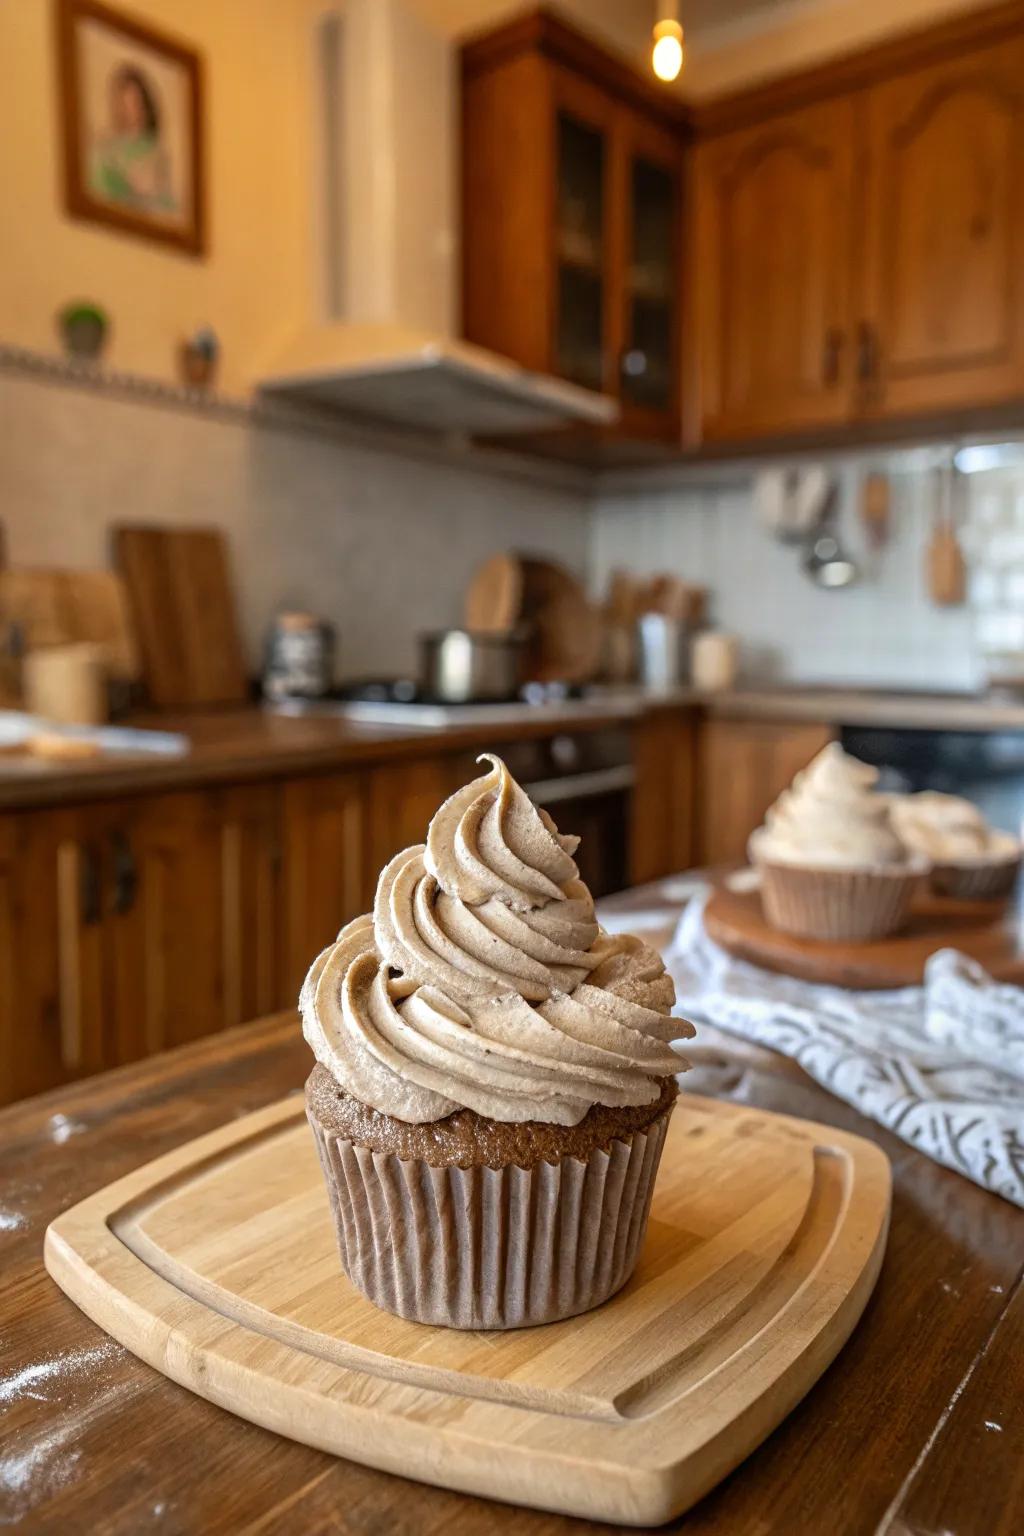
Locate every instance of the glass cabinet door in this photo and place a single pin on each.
(648, 357)
(579, 252)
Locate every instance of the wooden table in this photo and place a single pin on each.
(918, 1427)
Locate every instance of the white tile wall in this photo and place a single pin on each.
(380, 544)
(881, 631)
(383, 544)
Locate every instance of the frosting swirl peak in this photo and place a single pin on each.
(831, 816)
(483, 981)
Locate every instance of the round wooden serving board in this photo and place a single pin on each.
(989, 932)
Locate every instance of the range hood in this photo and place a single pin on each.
(383, 345)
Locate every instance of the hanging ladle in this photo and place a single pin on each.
(825, 560)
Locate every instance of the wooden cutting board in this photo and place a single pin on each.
(217, 1264)
(179, 587)
(62, 607)
(544, 600)
(988, 932)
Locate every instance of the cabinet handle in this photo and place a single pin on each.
(126, 875)
(867, 353)
(832, 355)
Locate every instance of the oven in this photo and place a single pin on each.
(986, 767)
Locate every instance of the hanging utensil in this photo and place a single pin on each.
(945, 567)
(875, 509)
(825, 560)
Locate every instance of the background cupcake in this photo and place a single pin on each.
(494, 1077)
(969, 859)
(832, 866)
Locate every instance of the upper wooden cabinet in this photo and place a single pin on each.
(858, 253)
(943, 294)
(775, 224)
(572, 207)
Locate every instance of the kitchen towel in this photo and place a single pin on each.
(941, 1065)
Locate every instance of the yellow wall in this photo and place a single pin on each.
(255, 284)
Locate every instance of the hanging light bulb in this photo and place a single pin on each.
(667, 53)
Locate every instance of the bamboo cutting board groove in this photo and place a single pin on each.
(217, 1265)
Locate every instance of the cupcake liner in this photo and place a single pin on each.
(984, 880)
(490, 1247)
(837, 905)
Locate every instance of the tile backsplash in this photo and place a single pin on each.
(884, 630)
(380, 543)
(994, 543)
(383, 543)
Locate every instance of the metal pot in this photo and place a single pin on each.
(462, 666)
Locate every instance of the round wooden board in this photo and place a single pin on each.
(988, 932)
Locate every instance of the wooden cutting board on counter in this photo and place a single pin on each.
(217, 1264)
(544, 600)
(183, 605)
(62, 607)
(986, 931)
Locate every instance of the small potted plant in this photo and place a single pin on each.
(84, 328)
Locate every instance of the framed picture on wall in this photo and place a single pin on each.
(131, 117)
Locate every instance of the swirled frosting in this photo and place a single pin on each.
(482, 980)
(830, 817)
(948, 829)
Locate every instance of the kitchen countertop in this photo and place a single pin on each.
(916, 1427)
(900, 709)
(253, 743)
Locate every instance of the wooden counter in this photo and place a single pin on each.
(245, 745)
(251, 744)
(915, 1428)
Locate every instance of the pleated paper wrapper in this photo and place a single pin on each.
(983, 880)
(837, 905)
(490, 1248)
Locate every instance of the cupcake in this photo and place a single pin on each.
(493, 1078)
(970, 860)
(832, 866)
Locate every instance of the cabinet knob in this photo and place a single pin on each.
(633, 363)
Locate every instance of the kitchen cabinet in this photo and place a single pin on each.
(775, 223)
(662, 823)
(189, 915)
(943, 281)
(858, 253)
(403, 797)
(128, 928)
(572, 207)
(325, 875)
(51, 973)
(743, 766)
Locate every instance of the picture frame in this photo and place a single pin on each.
(132, 121)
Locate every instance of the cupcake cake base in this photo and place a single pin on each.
(470, 1223)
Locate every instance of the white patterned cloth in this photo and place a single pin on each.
(940, 1065)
